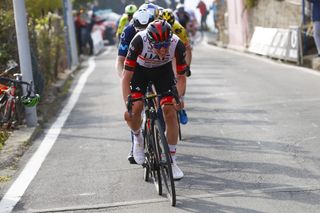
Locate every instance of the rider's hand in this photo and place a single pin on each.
(127, 116)
(188, 71)
(180, 105)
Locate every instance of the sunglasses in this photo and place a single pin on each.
(159, 45)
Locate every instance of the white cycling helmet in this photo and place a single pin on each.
(151, 8)
(141, 19)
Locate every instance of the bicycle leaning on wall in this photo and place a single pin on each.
(12, 99)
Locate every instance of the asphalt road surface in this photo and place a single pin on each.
(251, 144)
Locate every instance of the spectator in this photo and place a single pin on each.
(220, 21)
(214, 13)
(316, 23)
(204, 13)
(80, 25)
(88, 33)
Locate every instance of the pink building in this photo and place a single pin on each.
(237, 24)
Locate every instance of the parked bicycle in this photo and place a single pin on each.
(157, 155)
(12, 100)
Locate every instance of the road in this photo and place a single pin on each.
(251, 144)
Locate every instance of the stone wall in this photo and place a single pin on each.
(275, 14)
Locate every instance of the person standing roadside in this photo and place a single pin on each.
(204, 13)
(214, 13)
(80, 25)
(316, 23)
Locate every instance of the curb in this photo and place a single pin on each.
(16, 144)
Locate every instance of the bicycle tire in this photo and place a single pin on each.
(165, 162)
(152, 165)
(6, 108)
(179, 126)
(3, 101)
(197, 38)
(18, 113)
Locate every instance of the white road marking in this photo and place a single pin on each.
(280, 189)
(17, 189)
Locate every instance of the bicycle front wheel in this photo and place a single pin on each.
(165, 161)
(152, 164)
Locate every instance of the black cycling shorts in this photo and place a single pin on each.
(162, 77)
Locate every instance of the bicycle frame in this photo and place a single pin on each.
(158, 157)
(11, 112)
(9, 100)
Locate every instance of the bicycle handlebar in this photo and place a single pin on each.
(173, 92)
(14, 81)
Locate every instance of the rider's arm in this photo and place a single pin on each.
(181, 64)
(130, 64)
(119, 64)
(125, 40)
(186, 43)
(181, 32)
(122, 24)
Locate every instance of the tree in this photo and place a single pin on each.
(40, 8)
(77, 4)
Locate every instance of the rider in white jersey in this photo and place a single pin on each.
(149, 59)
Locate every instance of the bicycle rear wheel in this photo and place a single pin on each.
(17, 113)
(5, 112)
(165, 162)
(152, 164)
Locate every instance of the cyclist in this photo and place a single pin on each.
(126, 18)
(151, 8)
(192, 24)
(179, 30)
(149, 58)
(140, 21)
(181, 15)
(167, 14)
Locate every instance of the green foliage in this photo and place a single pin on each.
(77, 4)
(250, 3)
(3, 137)
(8, 47)
(39, 8)
(4, 178)
(49, 34)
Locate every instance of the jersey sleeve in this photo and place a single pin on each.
(180, 54)
(181, 32)
(122, 24)
(134, 51)
(125, 40)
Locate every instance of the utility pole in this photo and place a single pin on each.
(70, 31)
(24, 54)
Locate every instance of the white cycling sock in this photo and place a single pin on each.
(136, 133)
(172, 149)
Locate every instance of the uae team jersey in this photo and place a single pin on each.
(140, 52)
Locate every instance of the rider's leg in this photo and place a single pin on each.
(134, 122)
(170, 117)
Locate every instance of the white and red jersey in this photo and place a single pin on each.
(141, 52)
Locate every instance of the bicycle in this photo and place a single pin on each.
(196, 37)
(12, 100)
(157, 155)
